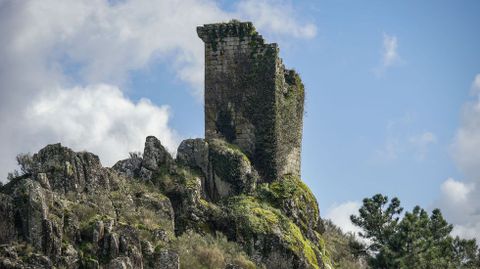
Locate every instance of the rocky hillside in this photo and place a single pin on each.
(207, 208)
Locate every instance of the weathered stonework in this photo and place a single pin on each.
(251, 100)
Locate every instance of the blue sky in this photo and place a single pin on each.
(391, 103)
(350, 107)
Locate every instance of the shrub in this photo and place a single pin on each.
(342, 247)
(135, 155)
(209, 251)
(25, 161)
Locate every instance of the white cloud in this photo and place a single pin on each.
(476, 84)
(390, 54)
(459, 203)
(468, 230)
(402, 141)
(455, 191)
(421, 143)
(64, 63)
(466, 143)
(99, 117)
(390, 150)
(460, 200)
(106, 41)
(273, 18)
(340, 215)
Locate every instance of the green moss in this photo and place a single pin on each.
(299, 244)
(290, 188)
(210, 207)
(191, 183)
(222, 145)
(270, 217)
(254, 217)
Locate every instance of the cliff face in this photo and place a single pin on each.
(68, 211)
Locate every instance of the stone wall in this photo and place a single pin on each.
(251, 100)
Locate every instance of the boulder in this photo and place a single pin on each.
(230, 172)
(155, 160)
(129, 167)
(155, 156)
(194, 154)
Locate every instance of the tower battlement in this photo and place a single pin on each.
(251, 100)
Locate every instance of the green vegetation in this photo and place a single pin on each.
(418, 240)
(345, 250)
(273, 226)
(292, 191)
(255, 218)
(209, 252)
(25, 162)
(234, 152)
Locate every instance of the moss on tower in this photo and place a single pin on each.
(251, 100)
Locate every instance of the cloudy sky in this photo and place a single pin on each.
(393, 91)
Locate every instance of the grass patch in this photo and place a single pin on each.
(209, 252)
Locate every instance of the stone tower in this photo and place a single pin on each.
(251, 100)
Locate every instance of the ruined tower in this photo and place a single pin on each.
(251, 100)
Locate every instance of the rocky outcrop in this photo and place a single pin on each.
(155, 156)
(64, 170)
(32, 205)
(230, 171)
(129, 167)
(223, 168)
(156, 159)
(69, 211)
(194, 154)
